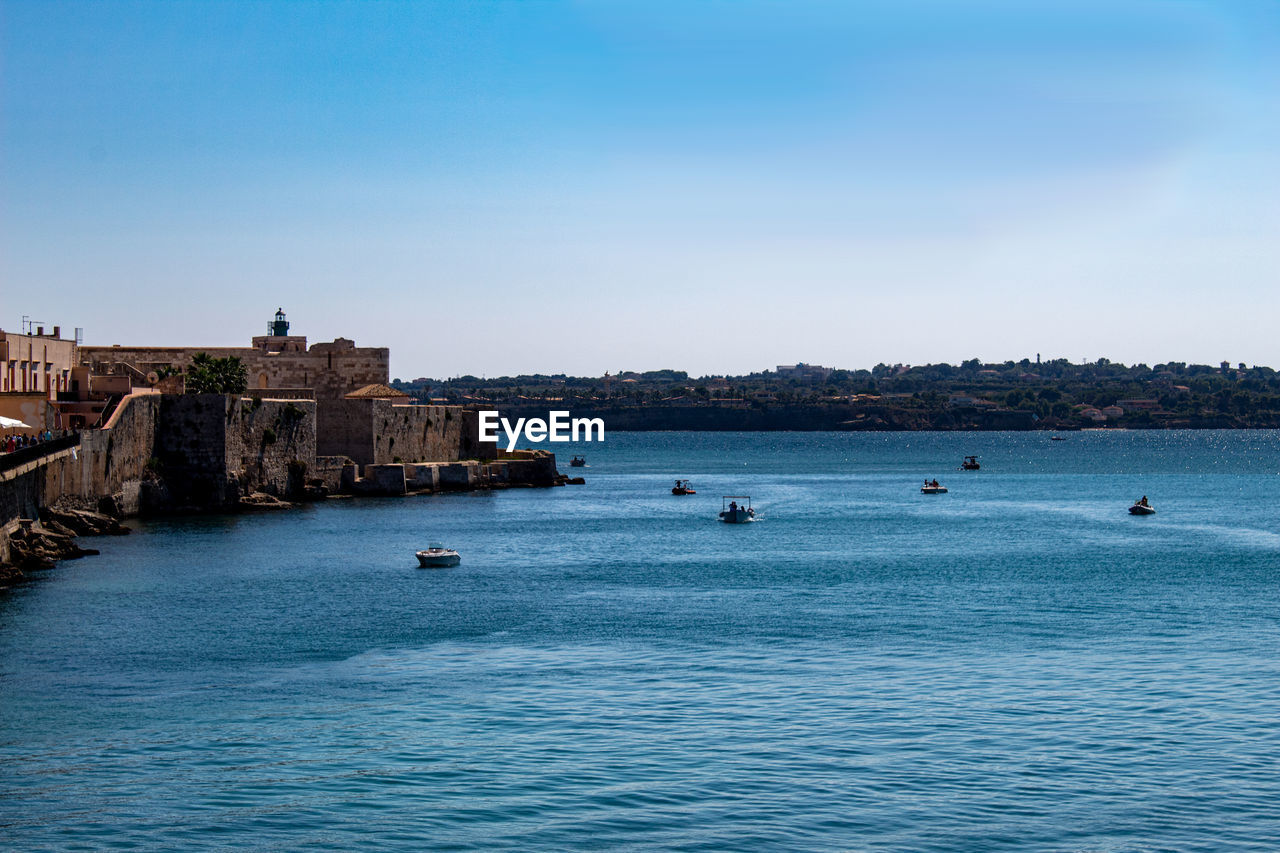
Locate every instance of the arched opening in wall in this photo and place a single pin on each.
(262, 380)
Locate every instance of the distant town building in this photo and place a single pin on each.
(812, 372)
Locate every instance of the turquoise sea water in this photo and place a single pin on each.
(1016, 665)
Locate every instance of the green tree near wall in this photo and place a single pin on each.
(208, 375)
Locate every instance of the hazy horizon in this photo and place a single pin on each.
(869, 368)
(574, 187)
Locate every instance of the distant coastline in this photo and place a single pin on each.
(1024, 395)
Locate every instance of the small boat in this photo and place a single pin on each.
(733, 512)
(438, 557)
(578, 462)
(1141, 507)
(1056, 438)
(970, 463)
(682, 487)
(933, 487)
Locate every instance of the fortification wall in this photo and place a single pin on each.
(108, 459)
(270, 444)
(213, 449)
(418, 433)
(331, 369)
(162, 453)
(345, 428)
(470, 446)
(335, 373)
(381, 432)
(175, 452)
(190, 456)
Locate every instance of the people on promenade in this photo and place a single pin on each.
(21, 441)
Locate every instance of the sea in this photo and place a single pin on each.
(1018, 664)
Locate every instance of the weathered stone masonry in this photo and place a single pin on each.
(377, 432)
(331, 369)
(164, 453)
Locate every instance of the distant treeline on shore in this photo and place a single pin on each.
(972, 395)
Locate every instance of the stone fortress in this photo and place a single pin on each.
(314, 421)
(276, 361)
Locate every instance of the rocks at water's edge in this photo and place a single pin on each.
(261, 500)
(40, 544)
(80, 522)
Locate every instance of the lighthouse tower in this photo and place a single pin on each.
(278, 339)
(279, 327)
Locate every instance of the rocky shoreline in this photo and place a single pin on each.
(41, 544)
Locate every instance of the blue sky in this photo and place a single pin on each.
(718, 187)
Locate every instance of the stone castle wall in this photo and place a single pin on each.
(345, 428)
(213, 449)
(166, 452)
(108, 461)
(332, 369)
(380, 432)
(425, 434)
(163, 453)
(189, 459)
(271, 444)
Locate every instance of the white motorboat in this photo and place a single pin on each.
(1142, 508)
(734, 512)
(436, 556)
(933, 488)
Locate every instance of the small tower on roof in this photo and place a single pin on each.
(277, 339)
(279, 327)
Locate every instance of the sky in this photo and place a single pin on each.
(495, 188)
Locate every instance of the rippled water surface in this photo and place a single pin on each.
(1016, 665)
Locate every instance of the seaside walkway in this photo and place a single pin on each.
(21, 461)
